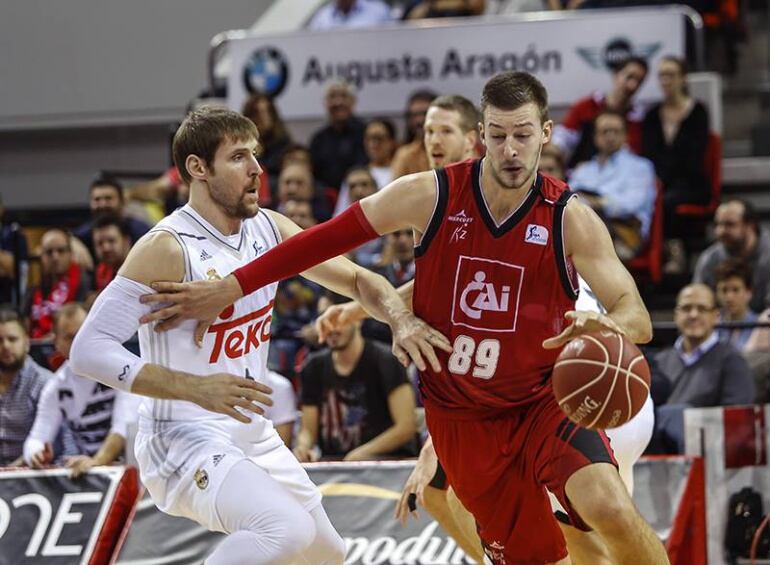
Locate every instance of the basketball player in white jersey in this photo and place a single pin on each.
(628, 443)
(204, 449)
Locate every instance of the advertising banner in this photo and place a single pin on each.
(360, 499)
(48, 518)
(570, 54)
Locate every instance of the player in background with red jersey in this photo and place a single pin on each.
(498, 255)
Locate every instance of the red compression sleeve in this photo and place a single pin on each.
(307, 249)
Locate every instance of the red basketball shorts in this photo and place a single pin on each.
(500, 469)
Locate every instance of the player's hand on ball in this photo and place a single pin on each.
(225, 394)
(338, 317)
(582, 322)
(413, 339)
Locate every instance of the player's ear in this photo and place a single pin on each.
(481, 134)
(547, 131)
(195, 166)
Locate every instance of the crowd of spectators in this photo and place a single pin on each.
(351, 399)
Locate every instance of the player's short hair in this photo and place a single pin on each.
(203, 130)
(106, 220)
(632, 59)
(734, 268)
(469, 115)
(512, 90)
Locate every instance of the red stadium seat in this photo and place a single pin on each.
(713, 170)
(649, 262)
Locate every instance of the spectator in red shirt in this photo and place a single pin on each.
(575, 135)
(63, 281)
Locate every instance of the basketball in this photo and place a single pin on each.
(601, 380)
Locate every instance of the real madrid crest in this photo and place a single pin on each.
(201, 478)
(212, 275)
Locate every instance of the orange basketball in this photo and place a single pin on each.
(601, 380)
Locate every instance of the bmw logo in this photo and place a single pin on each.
(266, 71)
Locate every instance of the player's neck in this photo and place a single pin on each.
(502, 200)
(213, 213)
(346, 360)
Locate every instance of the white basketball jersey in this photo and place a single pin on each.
(238, 340)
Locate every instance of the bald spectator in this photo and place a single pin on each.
(112, 241)
(699, 371)
(412, 157)
(575, 135)
(340, 144)
(739, 236)
(338, 14)
(62, 281)
(21, 382)
(106, 196)
(13, 246)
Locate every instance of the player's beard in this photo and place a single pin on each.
(234, 208)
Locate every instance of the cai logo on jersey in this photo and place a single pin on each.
(266, 71)
(486, 294)
(239, 337)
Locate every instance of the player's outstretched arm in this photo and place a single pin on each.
(98, 352)
(406, 203)
(588, 244)
(413, 339)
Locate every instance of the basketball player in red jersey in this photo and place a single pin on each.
(499, 249)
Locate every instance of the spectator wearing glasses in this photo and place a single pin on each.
(698, 371)
(62, 281)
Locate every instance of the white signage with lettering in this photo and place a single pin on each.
(570, 54)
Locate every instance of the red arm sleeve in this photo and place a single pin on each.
(307, 249)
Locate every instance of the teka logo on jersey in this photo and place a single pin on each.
(486, 294)
(240, 336)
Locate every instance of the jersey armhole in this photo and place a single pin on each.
(185, 252)
(442, 196)
(273, 226)
(566, 270)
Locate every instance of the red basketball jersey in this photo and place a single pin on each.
(496, 291)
